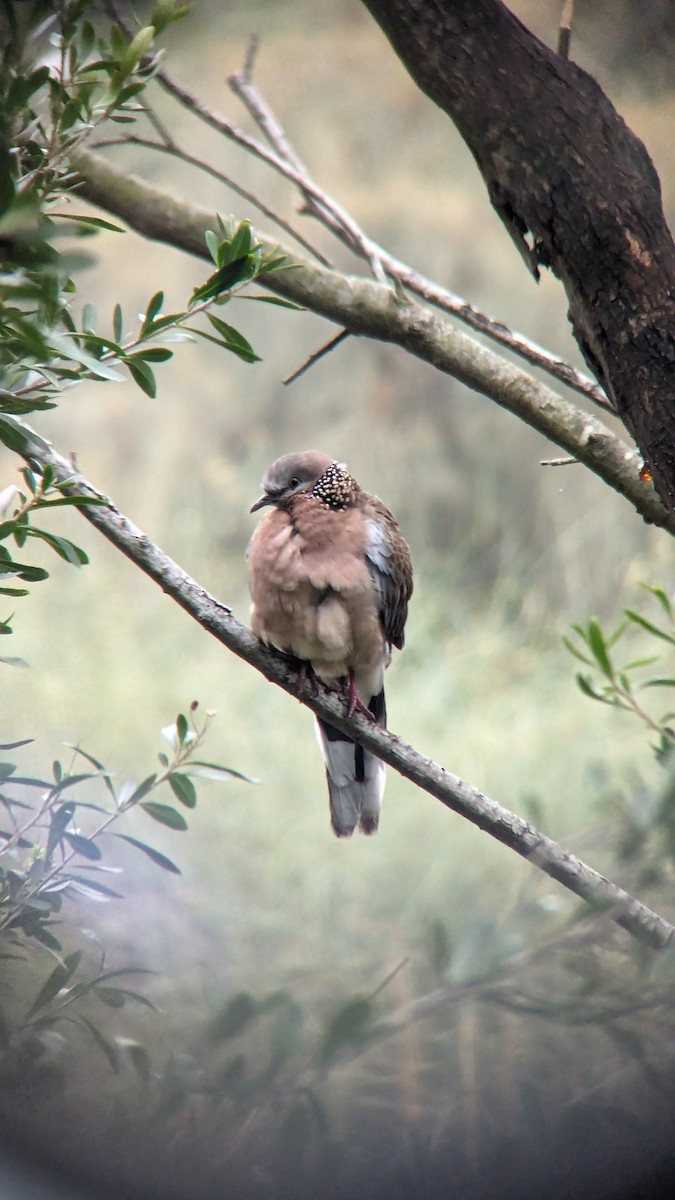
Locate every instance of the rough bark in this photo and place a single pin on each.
(574, 186)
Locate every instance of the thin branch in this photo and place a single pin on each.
(363, 307)
(317, 355)
(174, 149)
(565, 30)
(222, 125)
(242, 85)
(168, 140)
(218, 620)
(321, 205)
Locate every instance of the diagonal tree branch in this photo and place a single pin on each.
(218, 620)
(364, 307)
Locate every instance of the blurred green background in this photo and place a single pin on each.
(507, 553)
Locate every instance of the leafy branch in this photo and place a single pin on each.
(55, 850)
(51, 838)
(620, 683)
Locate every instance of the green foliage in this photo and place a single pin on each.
(56, 850)
(16, 511)
(620, 683)
(46, 113)
(98, 75)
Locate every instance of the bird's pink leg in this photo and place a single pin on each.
(305, 675)
(355, 703)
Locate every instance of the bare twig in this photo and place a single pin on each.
(558, 462)
(168, 140)
(134, 139)
(318, 354)
(317, 201)
(565, 30)
(217, 619)
(242, 85)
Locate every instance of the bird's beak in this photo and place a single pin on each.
(266, 498)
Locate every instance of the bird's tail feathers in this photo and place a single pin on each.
(355, 776)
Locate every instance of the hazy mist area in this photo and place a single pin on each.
(512, 1055)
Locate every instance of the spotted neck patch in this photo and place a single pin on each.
(335, 488)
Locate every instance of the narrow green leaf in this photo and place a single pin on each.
(16, 745)
(154, 307)
(183, 789)
(112, 997)
(279, 300)
(100, 347)
(83, 845)
(569, 645)
(239, 247)
(587, 686)
(161, 323)
(65, 549)
(117, 997)
(348, 1027)
(142, 790)
(60, 818)
(81, 501)
(181, 728)
(108, 1048)
(150, 354)
(160, 860)
(93, 885)
(94, 222)
(649, 626)
(613, 638)
(118, 326)
(233, 340)
(24, 571)
(144, 377)
(67, 347)
(55, 982)
(164, 814)
(212, 244)
(662, 598)
(99, 767)
(596, 641)
(636, 663)
(216, 771)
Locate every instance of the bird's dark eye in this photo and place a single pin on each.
(294, 482)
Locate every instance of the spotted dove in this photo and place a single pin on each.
(330, 583)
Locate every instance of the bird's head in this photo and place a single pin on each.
(290, 474)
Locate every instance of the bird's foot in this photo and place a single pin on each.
(305, 676)
(354, 701)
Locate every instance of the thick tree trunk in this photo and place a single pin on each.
(575, 188)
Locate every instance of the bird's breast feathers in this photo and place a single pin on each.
(311, 587)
